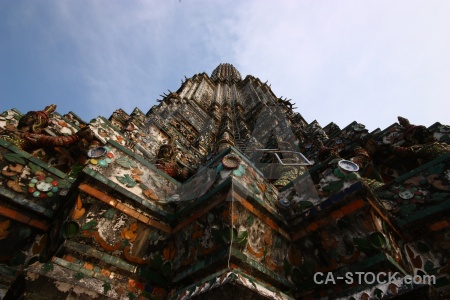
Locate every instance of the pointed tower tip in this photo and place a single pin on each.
(226, 72)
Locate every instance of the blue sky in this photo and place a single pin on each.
(340, 61)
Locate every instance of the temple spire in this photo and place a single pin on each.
(226, 72)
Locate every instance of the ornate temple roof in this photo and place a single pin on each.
(210, 195)
(226, 72)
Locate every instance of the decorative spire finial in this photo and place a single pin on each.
(226, 72)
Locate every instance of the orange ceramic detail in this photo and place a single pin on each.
(102, 242)
(355, 205)
(197, 232)
(3, 229)
(143, 218)
(337, 214)
(312, 227)
(272, 265)
(130, 234)
(258, 253)
(79, 209)
(169, 252)
(294, 256)
(135, 259)
(69, 258)
(439, 225)
(206, 251)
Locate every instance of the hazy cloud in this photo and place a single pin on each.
(347, 60)
(338, 60)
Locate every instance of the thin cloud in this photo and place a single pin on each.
(339, 61)
(345, 61)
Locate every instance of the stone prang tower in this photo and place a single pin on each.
(222, 190)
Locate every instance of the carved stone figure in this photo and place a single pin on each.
(167, 163)
(421, 144)
(29, 134)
